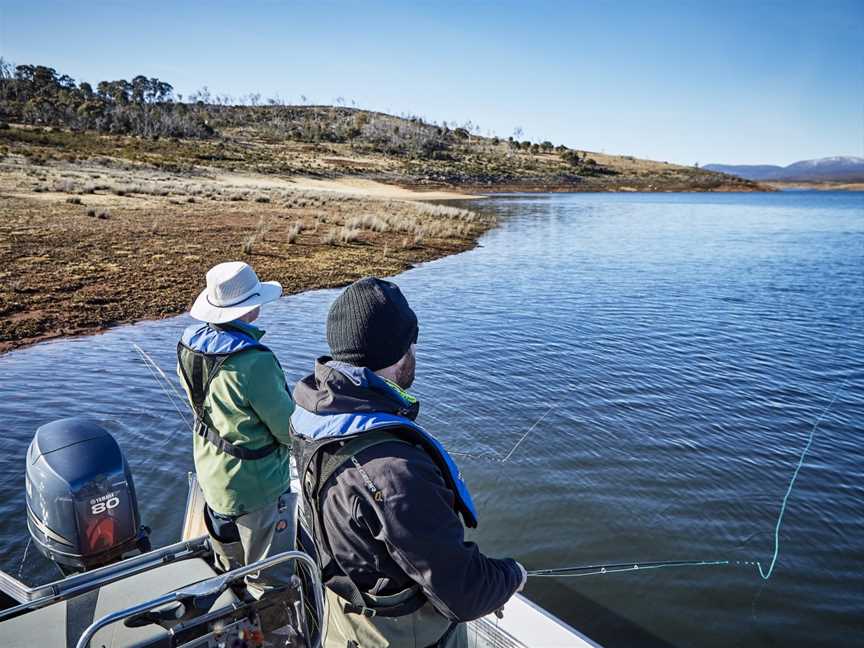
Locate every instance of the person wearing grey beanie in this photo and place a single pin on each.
(371, 324)
(385, 507)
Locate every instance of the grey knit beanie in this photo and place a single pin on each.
(371, 324)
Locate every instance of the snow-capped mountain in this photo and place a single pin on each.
(828, 169)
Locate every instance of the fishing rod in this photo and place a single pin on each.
(617, 568)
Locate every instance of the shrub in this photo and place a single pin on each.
(262, 228)
(294, 232)
(64, 186)
(262, 199)
(248, 245)
(369, 222)
(571, 157)
(73, 200)
(349, 234)
(330, 238)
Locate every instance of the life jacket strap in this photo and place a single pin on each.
(205, 431)
(403, 608)
(198, 371)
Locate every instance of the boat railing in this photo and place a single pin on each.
(31, 598)
(204, 592)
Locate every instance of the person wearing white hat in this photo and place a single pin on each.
(242, 407)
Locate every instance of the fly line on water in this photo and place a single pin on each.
(616, 568)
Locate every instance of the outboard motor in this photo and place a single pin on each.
(81, 507)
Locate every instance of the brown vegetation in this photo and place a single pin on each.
(133, 247)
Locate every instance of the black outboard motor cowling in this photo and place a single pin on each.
(81, 507)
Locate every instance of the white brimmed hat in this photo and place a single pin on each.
(233, 289)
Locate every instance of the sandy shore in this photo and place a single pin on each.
(346, 186)
(817, 186)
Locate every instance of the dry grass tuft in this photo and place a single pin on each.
(248, 245)
(101, 214)
(294, 232)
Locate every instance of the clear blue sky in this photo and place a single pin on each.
(698, 81)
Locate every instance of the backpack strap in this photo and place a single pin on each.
(330, 568)
(203, 369)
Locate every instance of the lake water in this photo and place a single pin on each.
(682, 348)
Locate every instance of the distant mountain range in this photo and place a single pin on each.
(829, 169)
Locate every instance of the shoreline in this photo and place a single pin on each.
(475, 191)
(98, 231)
(77, 260)
(817, 186)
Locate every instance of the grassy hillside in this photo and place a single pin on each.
(142, 122)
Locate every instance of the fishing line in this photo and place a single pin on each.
(615, 568)
(766, 575)
(24, 558)
(524, 436)
(494, 456)
(171, 393)
(156, 366)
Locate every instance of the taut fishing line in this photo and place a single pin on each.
(494, 456)
(171, 392)
(615, 568)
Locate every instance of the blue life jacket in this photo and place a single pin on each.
(320, 430)
(201, 352)
(214, 340)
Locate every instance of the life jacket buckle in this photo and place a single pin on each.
(350, 608)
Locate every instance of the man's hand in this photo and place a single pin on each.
(524, 577)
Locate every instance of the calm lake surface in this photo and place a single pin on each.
(686, 345)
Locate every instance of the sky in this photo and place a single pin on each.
(682, 81)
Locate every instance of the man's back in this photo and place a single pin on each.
(406, 532)
(247, 405)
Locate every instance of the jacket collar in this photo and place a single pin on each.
(244, 327)
(339, 388)
(222, 339)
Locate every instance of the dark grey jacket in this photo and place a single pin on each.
(410, 533)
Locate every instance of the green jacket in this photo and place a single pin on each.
(248, 404)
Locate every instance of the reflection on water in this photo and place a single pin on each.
(681, 348)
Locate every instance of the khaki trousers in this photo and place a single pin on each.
(422, 629)
(263, 533)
